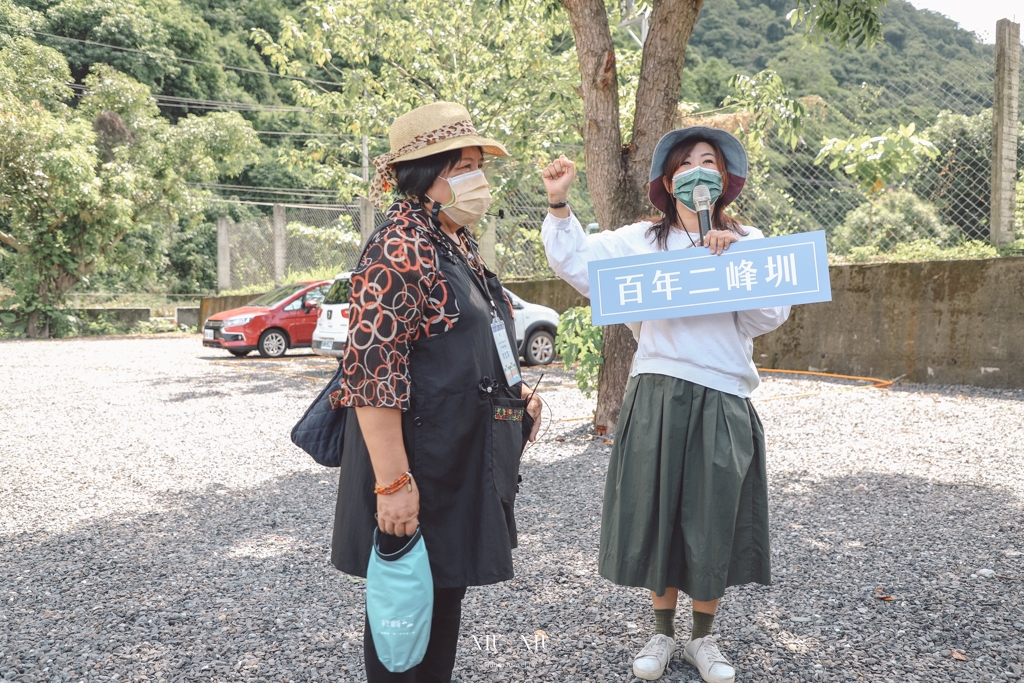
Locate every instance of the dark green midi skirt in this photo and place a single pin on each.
(686, 499)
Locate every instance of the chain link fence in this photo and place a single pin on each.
(518, 252)
(317, 242)
(940, 199)
(933, 199)
(298, 243)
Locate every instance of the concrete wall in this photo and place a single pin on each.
(215, 304)
(122, 316)
(553, 293)
(941, 322)
(187, 316)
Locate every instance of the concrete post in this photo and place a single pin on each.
(488, 238)
(223, 254)
(280, 245)
(1004, 131)
(366, 218)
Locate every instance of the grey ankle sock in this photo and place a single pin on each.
(702, 624)
(665, 622)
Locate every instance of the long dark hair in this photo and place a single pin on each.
(720, 220)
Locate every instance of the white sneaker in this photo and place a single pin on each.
(651, 662)
(704, 654)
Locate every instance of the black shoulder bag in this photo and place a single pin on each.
(321, 429)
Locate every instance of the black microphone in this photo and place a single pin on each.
(702, 200)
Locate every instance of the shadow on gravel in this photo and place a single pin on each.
(240, 380)
(873, 576)
(235, 585)
(960, 391)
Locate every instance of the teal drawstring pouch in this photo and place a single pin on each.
(400, 603)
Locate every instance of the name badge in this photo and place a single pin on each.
(509, 361)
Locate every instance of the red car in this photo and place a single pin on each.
(271, 324)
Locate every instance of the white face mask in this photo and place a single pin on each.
(471, 197)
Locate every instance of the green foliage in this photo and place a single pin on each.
(101, 325)
(766, 111)
(88, 189)
(921, 250)
(767, 204)
(157, 326)
(706, 81)
(1018, 214)
(293, 276)
(771, 108)
(578, 341)
(920, 48)
(163, 28)
(12, 325)
(841, 21)
(513, 68)
(879, 161)
(34, 72)
(806, 69)
(518, 248)
(889, 220)
(340, 233)
(958, 179)
(192, 259)
(325, 248)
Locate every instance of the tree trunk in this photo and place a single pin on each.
(617, 174)
(617, 352)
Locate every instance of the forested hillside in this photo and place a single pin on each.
(747, 36)
(196, 57)
(731, 36)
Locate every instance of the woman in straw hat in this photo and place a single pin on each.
(685, 505)
(440, 412)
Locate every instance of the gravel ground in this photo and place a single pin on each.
(157, 525)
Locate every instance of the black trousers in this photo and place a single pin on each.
(439, 660)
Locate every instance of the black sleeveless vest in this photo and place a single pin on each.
(464, 435)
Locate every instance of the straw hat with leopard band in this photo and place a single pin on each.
(427, 130)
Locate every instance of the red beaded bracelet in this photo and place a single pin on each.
(405, 479)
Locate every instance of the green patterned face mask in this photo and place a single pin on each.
(683, 184)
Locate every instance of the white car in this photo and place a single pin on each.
(535, 325)
(535, 330)
(332, 326)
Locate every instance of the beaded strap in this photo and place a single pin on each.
(404, 480)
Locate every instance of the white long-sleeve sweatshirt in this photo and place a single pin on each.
(712, 350)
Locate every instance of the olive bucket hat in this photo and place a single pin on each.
(732, 150)
(430, 129)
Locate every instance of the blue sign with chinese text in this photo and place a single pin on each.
(777, 271)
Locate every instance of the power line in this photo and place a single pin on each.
(300, 134)
(289, 206)
(181, 59)
(294, 192)
(210, 105)
(230, 106)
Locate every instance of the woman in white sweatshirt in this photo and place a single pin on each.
(686, 498)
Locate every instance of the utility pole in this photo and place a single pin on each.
(280, 244)
(1004, 131)
(223, 254)
(634, 18)
(366, 213)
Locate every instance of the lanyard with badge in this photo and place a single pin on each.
(509, 359)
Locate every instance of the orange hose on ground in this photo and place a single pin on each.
(877, 383)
